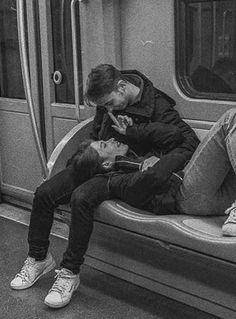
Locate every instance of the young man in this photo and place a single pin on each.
(131, 93)
(162, 132)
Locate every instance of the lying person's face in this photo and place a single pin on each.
(108, 150)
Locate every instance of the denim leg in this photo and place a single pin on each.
(83, 201)
(48, 196)
(209, 185)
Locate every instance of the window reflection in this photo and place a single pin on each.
(210, 45)
(62, 50)
(11, 83)
(221, 78)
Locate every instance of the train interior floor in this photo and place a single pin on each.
(100, 295)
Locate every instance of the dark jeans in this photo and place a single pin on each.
(61, 189)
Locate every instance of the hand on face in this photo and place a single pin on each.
(121, 123)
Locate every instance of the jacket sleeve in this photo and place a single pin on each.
(97, 122)
(161, 135)
(165, 113)
(137, 188)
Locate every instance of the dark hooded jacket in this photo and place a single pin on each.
(154, 189)
(152, 106)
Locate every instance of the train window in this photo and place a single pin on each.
(62, 50)
(206, 48)
(11, 82)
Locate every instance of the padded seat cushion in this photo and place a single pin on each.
(201, 234)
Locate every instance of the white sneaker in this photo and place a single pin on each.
(62, 290)
(32, 271)
(229, 226)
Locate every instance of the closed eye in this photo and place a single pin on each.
(103, 145)
(110, 103)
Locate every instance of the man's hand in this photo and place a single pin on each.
(121, 122)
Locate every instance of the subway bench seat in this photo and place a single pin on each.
(180, 256)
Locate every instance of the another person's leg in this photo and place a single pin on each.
(209, 185)
(48, 196)
(83, 201)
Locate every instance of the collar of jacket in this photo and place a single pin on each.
(145, 105)
(127, 164)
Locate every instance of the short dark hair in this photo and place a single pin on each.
(224, 65)
(86, 161)
(101, 80)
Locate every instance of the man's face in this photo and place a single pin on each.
(108, 150)
(115, 101)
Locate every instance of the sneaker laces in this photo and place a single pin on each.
(24, 274)
(231, 211)
(63, 281)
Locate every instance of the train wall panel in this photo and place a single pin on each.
(148, 44)
(61, 127)
(19, 160)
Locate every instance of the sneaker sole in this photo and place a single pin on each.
(228, 234)
(65, 303)
(46, 270)
(229, 230)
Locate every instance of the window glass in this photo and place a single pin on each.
(62, 50)
(207, 46)
(11, 83)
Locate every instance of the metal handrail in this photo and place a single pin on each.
(213, 54)
(200, 31)
(27, 86)
(226, 13)
(75, 59)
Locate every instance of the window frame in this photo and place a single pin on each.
(58, 38)
(180, 56)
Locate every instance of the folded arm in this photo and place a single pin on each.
(136, 188)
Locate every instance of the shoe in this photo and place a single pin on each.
(229, 226)
(63, 288)
(32, 271)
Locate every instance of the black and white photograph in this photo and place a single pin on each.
(118, 159)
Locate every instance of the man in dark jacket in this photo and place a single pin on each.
(133, 94)
(157, 128)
